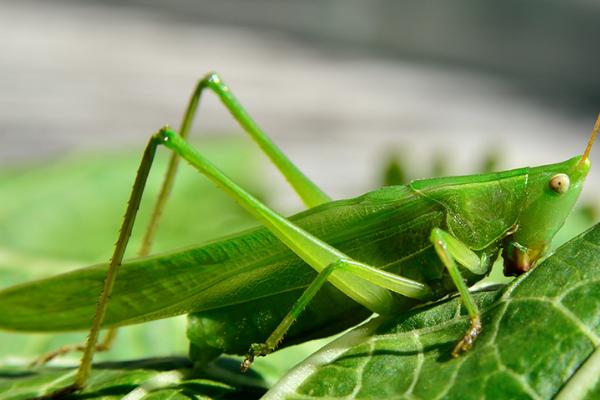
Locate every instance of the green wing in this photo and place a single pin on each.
(240, 268)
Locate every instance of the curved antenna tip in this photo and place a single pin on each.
(586, 154)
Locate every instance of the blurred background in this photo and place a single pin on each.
(348, 89)
(336, 83)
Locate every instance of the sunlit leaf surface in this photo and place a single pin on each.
(541, 336)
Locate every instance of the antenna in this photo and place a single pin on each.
(586, 154)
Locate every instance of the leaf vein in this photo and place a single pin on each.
(360, 370)
(518, 377)
(420, 362)
(567, 313)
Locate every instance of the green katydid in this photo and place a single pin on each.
(387, 251)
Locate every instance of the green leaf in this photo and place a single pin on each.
(540, 339)
(166, 378)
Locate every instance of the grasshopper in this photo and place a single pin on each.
(314, 273)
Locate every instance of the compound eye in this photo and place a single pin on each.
(560, 183)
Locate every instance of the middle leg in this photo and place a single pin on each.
(449, 249)
(368, 274)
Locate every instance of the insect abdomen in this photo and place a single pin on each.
(232, 329)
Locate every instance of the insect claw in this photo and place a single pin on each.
(247, 363)
(467, 341)
(256, 350)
